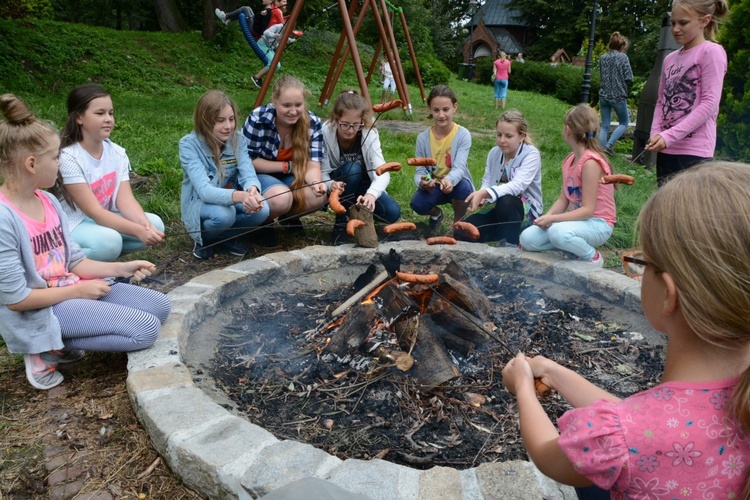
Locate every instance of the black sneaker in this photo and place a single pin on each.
(235, 247)
(199, 252)
(435, 224)
(257, 81)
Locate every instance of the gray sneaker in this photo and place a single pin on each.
(435, 225)
(41, 370)
(66, 357)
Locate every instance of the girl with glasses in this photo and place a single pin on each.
(352, 153)
(689, 436)
(584, 215)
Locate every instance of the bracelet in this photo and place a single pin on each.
(286, 167)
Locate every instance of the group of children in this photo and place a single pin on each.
(684, 437)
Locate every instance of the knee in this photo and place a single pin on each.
(148, 332)
(558, 236)
(392, 213)
(219, 217)
(312, 201)
(529, 238)
(107, 246)
(155, 221)
(279, 201)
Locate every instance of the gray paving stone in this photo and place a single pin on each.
(515, 479)
(288, 263)
(440, 483)
(163, 352)
(470, 485)
(318, 258)
(377, 479)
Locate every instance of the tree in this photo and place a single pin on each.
(169, 16)
(734, 113)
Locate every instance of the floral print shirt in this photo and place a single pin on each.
(673, 441)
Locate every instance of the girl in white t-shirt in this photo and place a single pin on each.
(93, 184)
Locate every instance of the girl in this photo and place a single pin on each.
(55, 301)
(584, 214)
(683, 131)
(687, 437)
(104, 217)
(220, 191)
(285, 144)
(616, 77)
(502, 75)
(449, 143)
(352, 153)
(512, 180)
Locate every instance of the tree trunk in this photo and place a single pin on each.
(209, 19)
(170, 18)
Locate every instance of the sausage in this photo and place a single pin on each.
(418, 279)
(421, 162)
(542, 389)
(387, 106)
(391, 166)
(397, 227)
(333, 201)
(468, 227)
(441, 240)
(617, 179)
(353, 225)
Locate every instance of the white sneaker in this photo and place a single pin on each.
(597, 261)
(222, 16)
(41, 370)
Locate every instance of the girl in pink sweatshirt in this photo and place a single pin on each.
(683, 131)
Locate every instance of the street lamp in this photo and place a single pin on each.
(586, 87)
(476, 5)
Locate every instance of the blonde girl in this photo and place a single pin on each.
(220, 196)
(94, 188)
(512, 181)
(683, 131)
(584, 215)
(689, 436)
(449, 144)
(55, 301)
(285, 144)
(352, 153)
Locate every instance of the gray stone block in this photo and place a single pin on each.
(163, 352)
(377, 479)
(318, 258)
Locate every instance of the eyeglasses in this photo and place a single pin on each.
(348, 126)
(634, 263)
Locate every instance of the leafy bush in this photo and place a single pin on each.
(431, 69)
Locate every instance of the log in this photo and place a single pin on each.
(392, 302)
(433, 365)
(458, 287)
(457, 321)
(366, 236)
(355, 328)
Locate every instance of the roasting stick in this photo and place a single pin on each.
(379, 279)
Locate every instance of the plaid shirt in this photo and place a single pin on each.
(263, 139)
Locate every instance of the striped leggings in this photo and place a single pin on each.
(127, 319)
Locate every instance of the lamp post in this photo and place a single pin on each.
(475, 3)
(586, 87)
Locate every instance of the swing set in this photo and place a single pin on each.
(347, 46)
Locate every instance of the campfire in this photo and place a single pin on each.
(405, 364)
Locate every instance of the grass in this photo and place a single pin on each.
(156, 79)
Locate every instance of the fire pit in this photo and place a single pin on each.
(243, 315)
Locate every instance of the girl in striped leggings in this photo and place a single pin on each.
(56, 302)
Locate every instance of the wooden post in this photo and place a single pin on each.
(388, 52)
(336, 54)
(412, 54)
(288, 27)
(399, 67)
(355, 53)
(340, 66)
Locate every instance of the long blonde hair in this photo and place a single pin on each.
(697, 228)
(21, 135)
(699, 8)
(206, 112)
(300, 139)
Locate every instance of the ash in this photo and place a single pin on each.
(271, 362)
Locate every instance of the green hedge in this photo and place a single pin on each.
(562, 81)
(431, 69)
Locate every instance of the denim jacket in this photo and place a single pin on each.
(201, 183)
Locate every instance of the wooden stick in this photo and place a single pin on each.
(379, 279)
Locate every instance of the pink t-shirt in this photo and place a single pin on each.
(47, 243)
(688, 102)
(674, 440)
(573, 180)
(501, 69)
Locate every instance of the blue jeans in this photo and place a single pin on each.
(621, 108)
(220, 223)
(424, 201)
(104, 243)
(579, 237)
(357, 183)
(501, 88)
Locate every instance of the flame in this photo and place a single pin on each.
(374, 293)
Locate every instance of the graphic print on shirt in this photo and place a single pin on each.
(574, 193)
(680, 94)
(104, 190)
(49, 257)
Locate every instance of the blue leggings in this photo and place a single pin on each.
(127, 319)
(104, 243)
